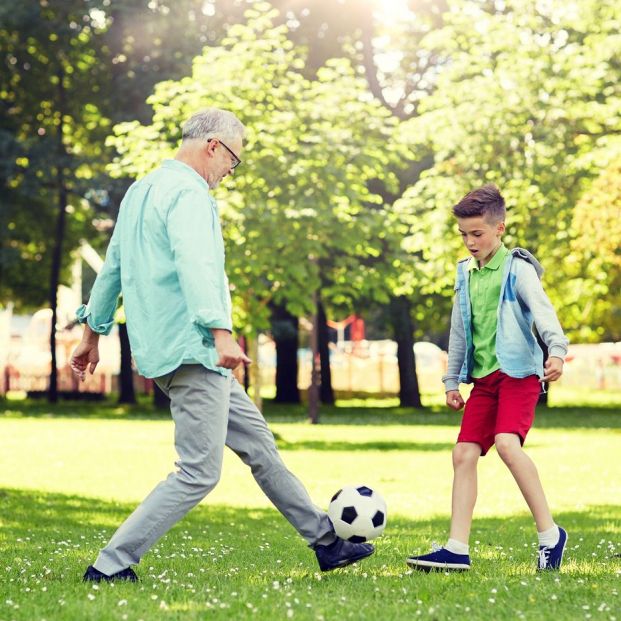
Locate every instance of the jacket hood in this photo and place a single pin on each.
(522, 253)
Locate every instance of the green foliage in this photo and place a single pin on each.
(49, 59)
(89, 64)
(595, 261)
(522, 93)
(300, 212)
(526, 97)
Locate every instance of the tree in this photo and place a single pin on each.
(595, 260)
(72, 69)
(513, 104)
(285, 332)
(301, 216)
(50, 59)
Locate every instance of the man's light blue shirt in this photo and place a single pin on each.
(166, 255)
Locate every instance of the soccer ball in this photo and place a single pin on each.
(358, 513)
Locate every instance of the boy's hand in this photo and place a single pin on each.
(86, 354)
(553, 369)
(454, 400)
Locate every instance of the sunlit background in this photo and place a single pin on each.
(366, 121)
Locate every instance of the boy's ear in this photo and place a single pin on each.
(500, 228)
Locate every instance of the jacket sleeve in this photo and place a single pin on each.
(196, 243)
(457, 348)
(530, 290)
(99, 312)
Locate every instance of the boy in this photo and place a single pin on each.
(499, 298)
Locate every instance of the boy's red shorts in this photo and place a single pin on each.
(499, 404)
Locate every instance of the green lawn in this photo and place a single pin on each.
(69, 474)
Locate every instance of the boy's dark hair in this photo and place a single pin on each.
(484, 201)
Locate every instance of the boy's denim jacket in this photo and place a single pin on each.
(522, 304)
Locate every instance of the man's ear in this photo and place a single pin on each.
(212, 145)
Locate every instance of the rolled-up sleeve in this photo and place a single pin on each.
(196, 242)
(99, 312)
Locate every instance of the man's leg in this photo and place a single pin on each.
(199, 407)
(249, 437)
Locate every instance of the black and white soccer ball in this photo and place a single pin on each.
(358, 513)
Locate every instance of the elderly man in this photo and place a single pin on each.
(167, 257)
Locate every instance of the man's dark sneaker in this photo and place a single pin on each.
(94, 575)
(340, 553)
(440, 560)
(552, 557)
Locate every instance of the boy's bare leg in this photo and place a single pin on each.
(465, 459)
(526, 476)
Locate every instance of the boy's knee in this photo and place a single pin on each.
(507, 445)
(465, 453)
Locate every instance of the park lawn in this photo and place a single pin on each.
(69, 474)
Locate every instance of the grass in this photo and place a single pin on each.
(69, 474)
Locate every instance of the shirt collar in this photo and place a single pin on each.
(184, 168)
(495, 262)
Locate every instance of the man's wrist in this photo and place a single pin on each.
(90, 336)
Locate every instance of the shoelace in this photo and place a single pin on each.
(544, 557)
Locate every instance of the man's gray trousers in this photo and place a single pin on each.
(210, 411)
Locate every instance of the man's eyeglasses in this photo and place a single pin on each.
(236, 160)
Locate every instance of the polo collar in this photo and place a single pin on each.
(496, 261)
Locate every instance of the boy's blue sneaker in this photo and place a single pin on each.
(341, 553)
(552, 557)
(440, 560)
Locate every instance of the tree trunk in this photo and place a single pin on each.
(243, 343)
(61, 189)
(326, 393)
(313, 389)
(126, 377)
(160, 400)
(409, 392)
(255, 372)
(285, 328)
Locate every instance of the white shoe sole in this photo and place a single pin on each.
(429, 565)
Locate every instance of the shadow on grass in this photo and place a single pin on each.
(107, 409)
(606, 417)
(56, 516)
(319, 445)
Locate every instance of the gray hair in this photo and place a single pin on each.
(212, 123)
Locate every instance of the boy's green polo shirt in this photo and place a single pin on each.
(485, 283)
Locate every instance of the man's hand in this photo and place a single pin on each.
(86, 354)
(454, 400)
(553, 369)
(229, 352)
